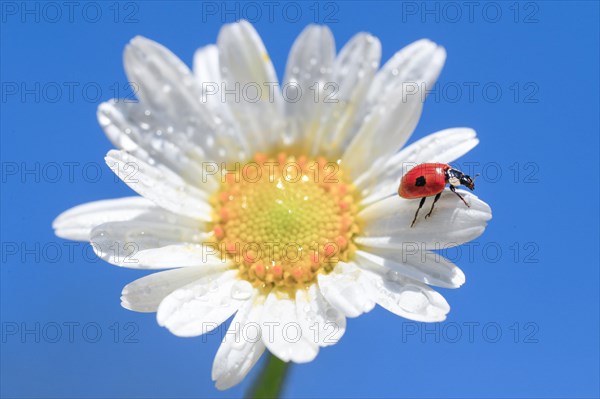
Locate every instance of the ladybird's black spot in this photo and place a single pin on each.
(420, 181)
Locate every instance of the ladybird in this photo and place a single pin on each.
(429, 179)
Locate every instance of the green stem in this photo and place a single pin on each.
(270, 381)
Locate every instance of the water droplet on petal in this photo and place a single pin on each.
(332, 314)
(412, 300)
(241, 290)
(225, 301)
(393, 275)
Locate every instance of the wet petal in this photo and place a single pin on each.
(424, 266)
(282, 332)
(164, 188)
(77, 223)
(247, 70)
(241, 347)
(308, 70)
(353, 71)
(321, 322)
(407, 298)
(344, 290)
(145, 294)
(201, 306)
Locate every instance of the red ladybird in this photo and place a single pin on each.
(429, 179)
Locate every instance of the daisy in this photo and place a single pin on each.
(276, 204)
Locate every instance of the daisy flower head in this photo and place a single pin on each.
(276, 203)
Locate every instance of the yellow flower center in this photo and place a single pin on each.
(282, 220)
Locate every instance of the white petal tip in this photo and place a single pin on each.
(139, 40)
(125, 304)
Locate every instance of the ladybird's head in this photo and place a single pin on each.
(457, 178)
(466, 181)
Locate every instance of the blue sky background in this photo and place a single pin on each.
(526, 323)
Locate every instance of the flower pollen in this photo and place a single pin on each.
(282, 220)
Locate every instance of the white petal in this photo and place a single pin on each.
(282, 331)
(444, 146)
(125, 243)
(206, 64)
(320, 321)
(208, 74)
(344, 289)
(407, 298)
(247, 69)
(308, 69)
(419, 63)
(353, 71)
(165, 84)
(77, 222)
(387, 222)
(150, 232)
(134, 128)
(169, 256)
(427, 267)
(162, 80)
(201, 306)
(164, 188)
(241, 347)
(146, 293)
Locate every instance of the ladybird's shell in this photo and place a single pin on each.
(424, 180)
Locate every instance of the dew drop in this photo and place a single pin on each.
(241, 290)
(393, 275)
(412, 300)
(225, 301)
(332, 314)
(158, 144)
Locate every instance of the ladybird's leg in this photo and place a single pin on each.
(459, 196)
(437, 197)
(417, 212)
